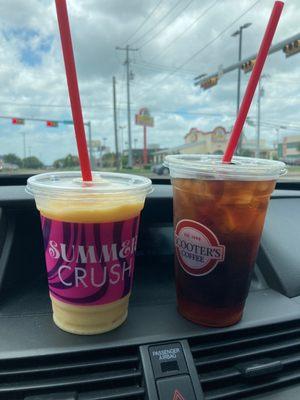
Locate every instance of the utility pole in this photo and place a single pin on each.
(239, 33)
(259, 96)
(24, 144)
(122, 144)
(90, 144)
(257, 147)
(127, 63)
(116, 126)
(145, 152)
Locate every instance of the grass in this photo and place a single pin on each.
(293, 169)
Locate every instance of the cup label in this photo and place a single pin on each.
(197, 248)
(90, 264)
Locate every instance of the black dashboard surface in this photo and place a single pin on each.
(26, 327)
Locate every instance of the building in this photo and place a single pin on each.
(265, 150)
(289, 149)
(198, 142)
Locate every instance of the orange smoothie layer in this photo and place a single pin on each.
(88, 212)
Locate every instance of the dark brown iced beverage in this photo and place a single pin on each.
(219, 213)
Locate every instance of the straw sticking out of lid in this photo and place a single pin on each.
(67, 48)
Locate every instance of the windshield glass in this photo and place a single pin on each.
(179, 69)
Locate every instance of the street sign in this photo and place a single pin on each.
(143, 118)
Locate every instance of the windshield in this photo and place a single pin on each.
(178, 69)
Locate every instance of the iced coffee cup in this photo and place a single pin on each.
(90, 232)
(219, 213)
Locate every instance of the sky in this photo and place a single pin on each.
(176, 40)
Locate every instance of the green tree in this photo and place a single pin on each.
(246, 153)
(109, 160)
(124, 160)
(12, 158)
(32, 162)
(69, 161)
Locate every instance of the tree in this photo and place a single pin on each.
(69, 161)
(32, 162)
(109, 160)
(12, 158)
(246, 153)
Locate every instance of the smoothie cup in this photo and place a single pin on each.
(219, 213)
(90, 232)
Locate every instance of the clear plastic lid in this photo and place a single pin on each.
(204, 166)
(57, 184)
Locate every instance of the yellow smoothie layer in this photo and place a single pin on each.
(84, 320)
(90, 212)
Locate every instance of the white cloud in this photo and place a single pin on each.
(97, 27)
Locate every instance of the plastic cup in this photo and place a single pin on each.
(90, 232)
(219, 213)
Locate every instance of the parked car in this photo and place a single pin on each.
(160, 169)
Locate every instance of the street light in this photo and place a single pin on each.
(121, 128)
(239, 33)
(122, 136)
(260, 94)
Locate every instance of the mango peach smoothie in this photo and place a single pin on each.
(90, 238)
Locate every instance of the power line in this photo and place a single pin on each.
(185, 30)
(166, 26)
(159, 21)
(143, 23)
(51, 105)
(205, 46)
(161, 68)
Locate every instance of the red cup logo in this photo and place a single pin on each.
(197, 248)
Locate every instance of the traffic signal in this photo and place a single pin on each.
(208, 83)
(292, 48)
(52, 124)
(248, 66)
(18, 121)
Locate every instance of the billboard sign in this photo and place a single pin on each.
(143, 118)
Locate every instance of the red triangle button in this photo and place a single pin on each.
(177, 395)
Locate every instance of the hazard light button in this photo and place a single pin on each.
(175, 388)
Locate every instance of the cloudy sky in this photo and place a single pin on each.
(176, 41)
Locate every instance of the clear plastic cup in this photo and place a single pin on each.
(90, 232)
(219, 213)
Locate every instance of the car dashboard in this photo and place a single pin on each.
(155, 354)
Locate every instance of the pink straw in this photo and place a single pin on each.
(67, 47)
(253, 81)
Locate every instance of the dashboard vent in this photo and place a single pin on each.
(101, 374)
(234, 365)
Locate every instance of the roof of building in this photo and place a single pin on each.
(177, 148)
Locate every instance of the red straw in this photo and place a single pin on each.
(253, 81)
(67, 47)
